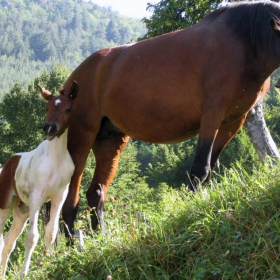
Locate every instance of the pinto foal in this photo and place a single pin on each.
(29, 179)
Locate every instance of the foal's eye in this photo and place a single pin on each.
(67, 111)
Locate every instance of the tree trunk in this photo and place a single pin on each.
(259, 134)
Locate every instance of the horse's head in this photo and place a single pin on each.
(58, 111)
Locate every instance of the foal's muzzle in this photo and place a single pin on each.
(50, 130)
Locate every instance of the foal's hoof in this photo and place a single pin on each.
(23, 274)
(47, 253)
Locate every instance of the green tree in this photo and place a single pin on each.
(53, 32)
(170, 15)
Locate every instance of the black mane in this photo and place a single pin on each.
(251, 22)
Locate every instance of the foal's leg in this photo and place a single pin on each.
(107, 152)
(11, 237)
(4, 214)
(32, 235)
(52, 226)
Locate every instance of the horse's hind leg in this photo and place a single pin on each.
(209, 127)
(107, 151)
(225, 135)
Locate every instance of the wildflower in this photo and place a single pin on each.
(229, 216)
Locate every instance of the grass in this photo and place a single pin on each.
(230, 229)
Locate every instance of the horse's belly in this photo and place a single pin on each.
(164, 135)
(159, 127)
(156, 112)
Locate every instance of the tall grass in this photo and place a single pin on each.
(230, 229)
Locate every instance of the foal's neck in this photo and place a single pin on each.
(58, 146)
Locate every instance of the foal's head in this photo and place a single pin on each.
(58, 111)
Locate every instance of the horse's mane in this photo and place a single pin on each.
(251, 22)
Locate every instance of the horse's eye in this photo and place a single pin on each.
(67, 111)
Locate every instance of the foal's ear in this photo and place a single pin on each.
(45, 93)
(275, 24)
(74, 90)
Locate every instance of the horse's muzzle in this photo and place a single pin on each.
(50, 130)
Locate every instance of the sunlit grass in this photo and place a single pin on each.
(230, 229)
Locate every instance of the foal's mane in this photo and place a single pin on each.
(251, 22)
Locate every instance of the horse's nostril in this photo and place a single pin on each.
(50, 129)
(45, 128)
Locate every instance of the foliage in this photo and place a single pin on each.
(36, 35)
(171, 15)
(166, 163)
(229, 230)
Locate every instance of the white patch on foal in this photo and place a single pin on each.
(57, 101)
(40, 175)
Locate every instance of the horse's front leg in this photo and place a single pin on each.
(107, 152)
(79, 145)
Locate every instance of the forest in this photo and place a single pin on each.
(37, 35)
(155, 228)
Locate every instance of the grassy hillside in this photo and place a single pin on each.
(228, 230)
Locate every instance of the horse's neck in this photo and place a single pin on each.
(58, 146)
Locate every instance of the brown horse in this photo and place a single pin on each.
(200, 80)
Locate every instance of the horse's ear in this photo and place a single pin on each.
(74, 90)
(275, 24)
(45, 93)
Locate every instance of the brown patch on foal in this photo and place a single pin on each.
(7, 181)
